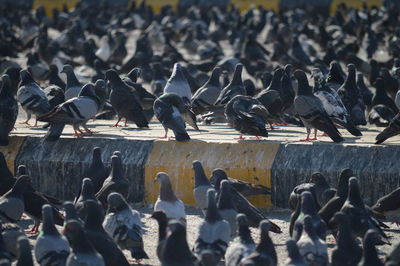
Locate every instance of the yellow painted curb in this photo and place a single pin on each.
(354, 3)
(12, 150)
(250, 162)
(246, 4)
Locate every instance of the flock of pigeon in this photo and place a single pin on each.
(210, 52)
(99, 224)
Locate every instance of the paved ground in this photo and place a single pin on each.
(281, 217)
(209, 133)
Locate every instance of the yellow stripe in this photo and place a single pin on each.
(50, 4)
(246, 4)
(250, 162)
(12, 150)
(354, 3)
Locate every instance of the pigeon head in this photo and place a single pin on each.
(25, 76)
(264, 227)
(316, 73)
(303, 86)
(70, 211)
(176, 240)
(53, 69)
(166, 192)
(48, 227)
(318, 179)
(5, 86)
(159, 216)
(200, 178)
(371, 238)
(276, 79)
(217, 176)
(117, 153)
(161, 177)
(96, 153)
(308, 203)
(24, 250)
(112, 75)
(21, 185)
(22, 170)
(335, 72)
(288, 69)
(162, 221)
(354, 195)
(116, 202)
(94, 214)
(67, 69)
(87, 189)
(241, 220)
(88, 90)
(343, 184)
(340, 218)
(212, 214)
(225, 198)
(134, 74)
(100, 85)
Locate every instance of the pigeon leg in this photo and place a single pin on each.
(35, 125)
(135, 261)
(34, 230)
(272, 127)
(166, 134)
(25, 122)
(126, 122)
(77, 134)
(240, 137)
(256, 138)
(91, 132)
(315, 135)
(308, 136)
(323, 135)
(117, 124)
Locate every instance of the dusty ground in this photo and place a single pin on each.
(194, 217)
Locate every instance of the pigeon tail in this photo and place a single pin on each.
(353, 130)
(54, 132)
(180, 136)
(392, 130)
(138, 253)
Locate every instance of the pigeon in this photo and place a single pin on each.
(294, 197)
(351, 97)
(167, 200)
(201, 186)
(31, 97)
(370, 254)
(178, 84)
(207, 95)
(82, 251)
(226, 207)
(125, 102)
(97, 171)
(176, 241)
(246, 188)
(25, 253)
(295, 258)
(366, 94)
(87, 192)
(243, 245)
(323, 191)
(308, 208)
(123, 224)
(391, 84)
(75, 111)
(393, 257)
(8, 110)
(334, 205)
(311, 247)
(12, 203)
(247, 115)
(234, 88)
(242, 205)
(134, 74)
(169, 109)
(333, 105)
(265, 253)
(389, 206)
(214, 233)
(70, 213)
(10, 232)
(99, 238)
(51, 248)
(347, 250)
(360, 218)
(335, 76)
(381, 97)
(73, 86)
(311, 110)
(392, 130)
(162, 221)
(380, 115)
(54, 78)
(55, 95)
(116, 182)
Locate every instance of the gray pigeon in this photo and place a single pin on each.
(99, 238)
(70, 212)
(311, 247)
(226, 207)
(176, 250)
(294, 256)
(178, 84)
(323, 191)
(12, 203)
(214, 233)
(73, 86)
(360, 218)
(347, 250)
(206, 95)
(201, 186)
(370, 254)
(243, 245)
(311, 110)
(123, 224)
(83, 252)
(10, 232)
(25, 253)
(167, 201)
(51, 248)
(116, 182)
(31, 97)
(265, 253)
(8, 109)
(235, 87)
(87, 193)
(76, 111)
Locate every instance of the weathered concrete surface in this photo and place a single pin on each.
(57, 168)
(376, 167)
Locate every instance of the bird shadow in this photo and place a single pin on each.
(392, 230)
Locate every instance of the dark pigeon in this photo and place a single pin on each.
(8, 110)
(201, 186)
(389, 206)
(322, 189)
(370, 254)
(381, 97)
(392, 130)
(234, 88)
(295, 258)
(25, 253)
(226, 207)
(162, 221)
(380, 115)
